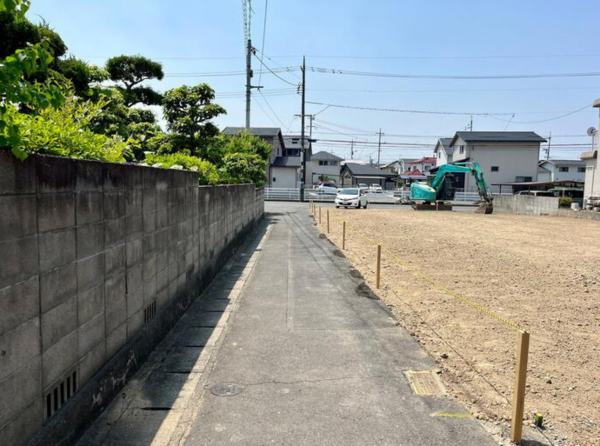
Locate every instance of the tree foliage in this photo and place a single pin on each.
(244, 168)
(131, 71)
(207, 172)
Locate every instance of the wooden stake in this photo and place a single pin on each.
(378, 269)
(319, 214)
(310, 206)
(327, 221)
(343, 235)
(516, 429)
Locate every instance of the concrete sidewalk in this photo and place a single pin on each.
(318, 361)
(287, 347)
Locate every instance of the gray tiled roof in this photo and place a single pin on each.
(257, 131)
(499, 137)
(322, 156)
(446, 145)
(286, 161)
(564, 162)
(294, 142)
(362, 169)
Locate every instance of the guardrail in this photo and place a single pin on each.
(276, 193)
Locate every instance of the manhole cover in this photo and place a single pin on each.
(426, 383)
(226, 389)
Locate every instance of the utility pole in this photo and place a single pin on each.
(379, 148)
(352, 149)
(303, 130)
(548, 148)
(248, 81)
(471, 124)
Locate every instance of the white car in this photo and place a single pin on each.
(353, 197)
(327, 189)
(375, 188)
(363, 186)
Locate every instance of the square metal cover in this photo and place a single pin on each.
(426, 383)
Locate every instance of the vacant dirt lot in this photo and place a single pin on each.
(540, 272)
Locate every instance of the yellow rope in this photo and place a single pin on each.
(440, 287)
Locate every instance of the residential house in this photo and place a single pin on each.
(423, 165)
(504, 157)
(354, 173)
(398, 166)
(443, 151)
(561, 170)
(284, 169)
(323, 165)
(592, 172)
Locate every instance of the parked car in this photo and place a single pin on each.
(363, 186)
(375, 188)
(536, 193)
(353, 197)
(327, 189)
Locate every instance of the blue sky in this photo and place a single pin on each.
(385, 36)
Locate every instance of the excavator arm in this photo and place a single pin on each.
(433, 191)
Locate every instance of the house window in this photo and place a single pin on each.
(523, 179)
(495, 168)
(322, 163)
(581, 169)
(461, 149)
(563, 169)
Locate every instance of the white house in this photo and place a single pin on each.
(504, 157)
(323, 165)
(423, 165)
(561, 170)
(443, 151)
(592, 175)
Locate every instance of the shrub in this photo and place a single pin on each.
(565, 202)
(207, 172)
(64, 132)
(244, 168)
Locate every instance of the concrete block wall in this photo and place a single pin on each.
(526, 205)
(85, 248)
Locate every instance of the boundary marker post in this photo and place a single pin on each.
(516, 428)
(344, 235)
(378, 269)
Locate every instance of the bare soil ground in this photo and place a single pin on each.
(542, 273)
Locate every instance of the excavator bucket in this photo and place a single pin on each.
(485, 208)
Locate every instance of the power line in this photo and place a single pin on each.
(545, 120)
(443, 76)
(279, 70)
(396, 110)
(263, 39)
(271, 108)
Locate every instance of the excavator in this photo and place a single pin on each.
(431, 196)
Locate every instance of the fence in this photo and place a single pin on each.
(275, 194)
(523, 339)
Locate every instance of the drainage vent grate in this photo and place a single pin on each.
(60, 394)
(150, 312)
(426, 383)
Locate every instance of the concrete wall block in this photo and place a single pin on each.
(25, 423)
(90, 272)
(116, 315)
(133, 227)
(59, 322)
(57, 285)
(90, 303)
(88, 207)
(55, 174)
(162, 218)
(135, 252)
(114, 176)
(134, 177)
(90, 239)
(115, 259)
(162, 298)
(19, 303)
(149, 245)
(149, 290)
(19, 216)
(56, 249)
(149, 222)
(133, 202)
(115, 289)
(20, 346)
(149, 267)
(163, 178)
(149, 200)
(162, 258)
(135, 323)
(16, 177)
(56, 211)
(18, 261)
(59, 359)
(89, 175)
(162, 239)
(91, 334)
(115, 341)
(114, 204)
(134, 277)
(135, 301)
(162, 279)
(150, 176)
(20, 389)
(114, 232)
(92, 362)
(162, 198)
